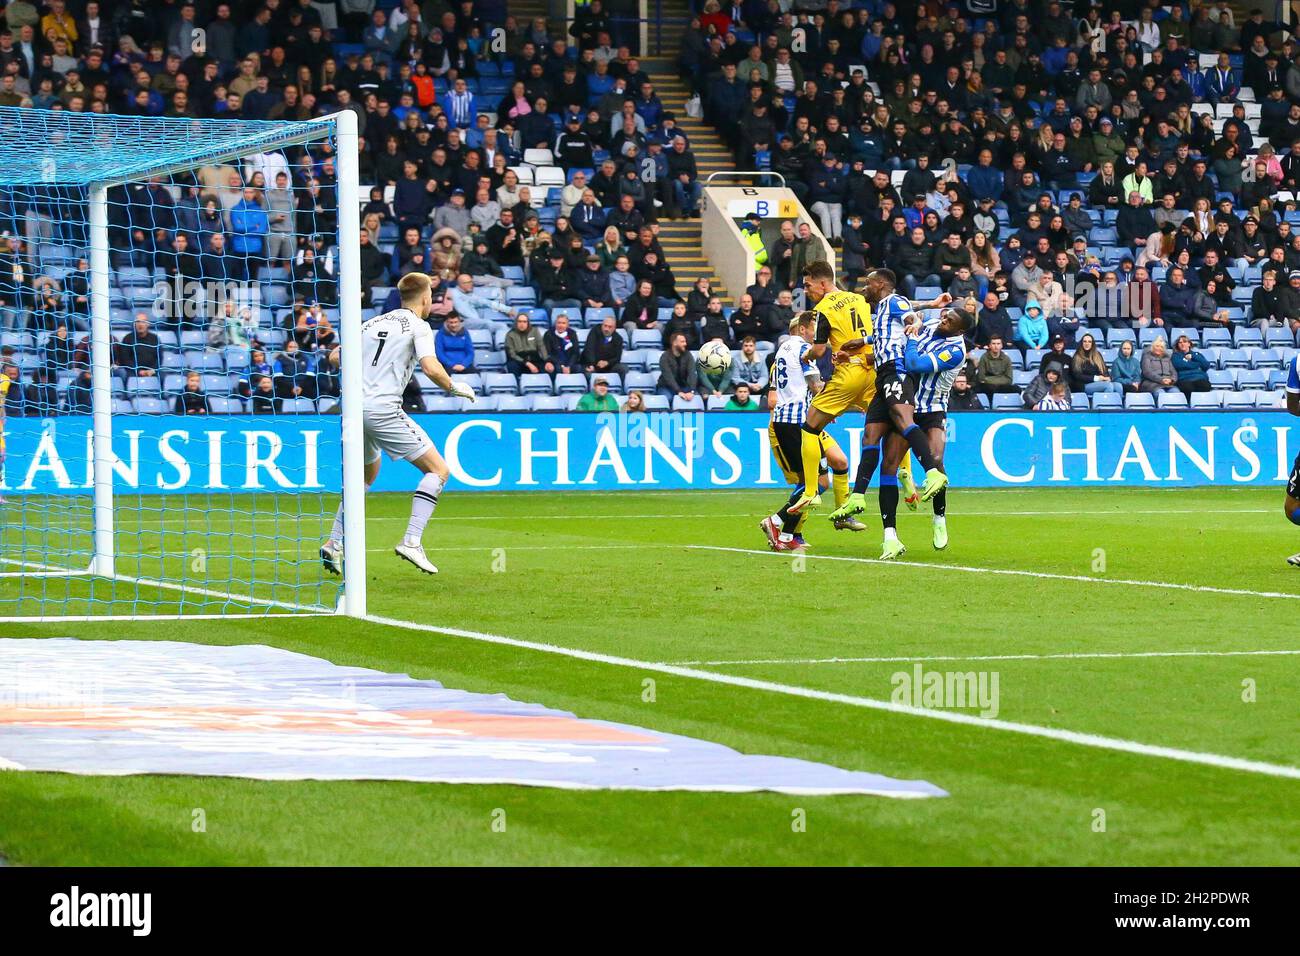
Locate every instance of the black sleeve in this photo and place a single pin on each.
(823, 331)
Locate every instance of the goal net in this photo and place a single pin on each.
(171, 295)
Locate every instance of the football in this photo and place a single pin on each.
(714, 357)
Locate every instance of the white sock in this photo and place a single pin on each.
(336, 532)
(939, 519)
(891, 534)
(423, 502)
(785, 536)
(777, 520)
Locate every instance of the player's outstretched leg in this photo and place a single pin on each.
(331, 552)
(423, 501)
(1292, 507)
(893, 548)
(811, 449)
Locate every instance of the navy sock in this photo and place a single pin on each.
(866, 468)
(1295, 516)
(788, 521)
(940, 502)
(889, 501)
(920, 445)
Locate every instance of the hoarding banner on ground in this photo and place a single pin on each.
(135, 707)
(556, 451)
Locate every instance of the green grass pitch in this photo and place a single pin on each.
(621, 574)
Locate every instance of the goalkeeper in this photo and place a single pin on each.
(392, 345)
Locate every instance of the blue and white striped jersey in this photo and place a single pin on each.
(890, 341)
(935, 362)
(789, 378)
(1293, 375)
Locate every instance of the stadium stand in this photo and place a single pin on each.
(1108, 179)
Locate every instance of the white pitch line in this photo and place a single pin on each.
(953, 717)
(1044, 575)
(989, 657)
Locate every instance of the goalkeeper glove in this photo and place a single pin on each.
(461, 390)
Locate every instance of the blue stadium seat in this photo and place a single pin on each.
(1139, 400)
(1007, 401)
(500, 383)
(1103, 236)
(1174, 400)
(485, 403)
(693, 404)
(656, 403)
(716, 403)
(142, 385)
(1114, 337)
(481, 338)
(441, 403)
(1277, 379)
(1222, 379)
(234, 358)
(1234, 358)
(643, 381)
(471, 379)
(1279, 338)
(647, 339)
(1079, 401)
(928, 292)
(572, 384)
(1207, 399)
(297, 406)
(520, 295)
(1194, 335)
(1266, 358)
(226, 405)
(1238, 400)
(1268, 400)
(151, 406)
(1248, 337)
(490, 360)
(1248, 378)
(1107, 400)
(515, 403)
(1022, 378)
(635, 359)
(550, 403)
(538, 383)
(1216, 337)
(215, 384)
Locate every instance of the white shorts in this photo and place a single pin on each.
(391, 431)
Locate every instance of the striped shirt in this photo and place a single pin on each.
(941, 359)
(890, 341)
(789, 378)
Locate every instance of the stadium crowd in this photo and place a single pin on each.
(1110, 185)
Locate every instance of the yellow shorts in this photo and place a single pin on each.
(851, 386)
(783, 455)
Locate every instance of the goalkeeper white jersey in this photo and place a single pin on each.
(392, 345)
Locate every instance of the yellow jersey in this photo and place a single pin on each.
(842, 317)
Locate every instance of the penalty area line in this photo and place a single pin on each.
(1010, 572)
(1051, 733)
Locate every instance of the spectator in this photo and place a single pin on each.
(685, 179)
(598, 399)
(563, 349)
(1191, 368)
(994, 372)
(1206, 313)
(603, 350)
(453, 346)
(139, 352)
(1176, 299)
(295, 372)
(914, 264)
(994, 321)
(1126, 370)
(1266, 307)
(635, 402)
(525, 347)
(1041, 387)
(742, 400)
(1031, 330)
(749, 367)
(1158, 372)
(264, 400)
(641, 311)
(1056, 400)
(963, 398)
(1088, 369)
(192, 400)
(474, 309)
(678, 376)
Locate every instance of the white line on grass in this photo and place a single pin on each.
(1044, 575)
(953, 717)
(1126, 655)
